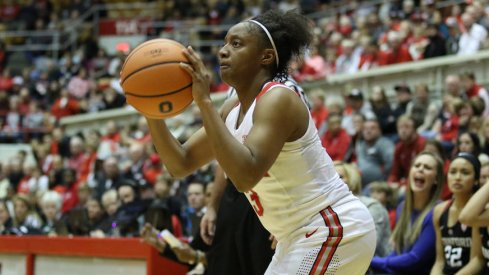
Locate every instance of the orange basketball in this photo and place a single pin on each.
(153, 81)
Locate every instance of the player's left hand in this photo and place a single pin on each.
(200, 75)
(274, 241)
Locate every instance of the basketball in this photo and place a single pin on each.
(153, 81)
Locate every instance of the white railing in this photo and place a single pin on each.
(432, 72)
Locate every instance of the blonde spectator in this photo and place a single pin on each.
(414, 236)
(26, 220)
(350, 175)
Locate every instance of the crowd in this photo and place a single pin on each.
(400, 158)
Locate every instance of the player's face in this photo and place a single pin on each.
(240, 55)
(461, 176)
(422, 175)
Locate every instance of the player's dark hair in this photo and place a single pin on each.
(291, 33)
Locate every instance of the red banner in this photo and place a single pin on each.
(124, 26)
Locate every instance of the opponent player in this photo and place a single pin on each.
(268, 146)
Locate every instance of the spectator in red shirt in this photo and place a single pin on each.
(395, 52)
(472, 89)
(319, 112)
(79, 159)
(336, 140)
(409, 145)
(64, 106)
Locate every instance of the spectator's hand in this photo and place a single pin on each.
(208, 225)
(149, 235)
(274, 241)
(185, 253)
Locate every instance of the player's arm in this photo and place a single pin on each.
(208, 222)
(279, 116)
(182, 159)
(476, 263)
(439, 259)
(475, 213)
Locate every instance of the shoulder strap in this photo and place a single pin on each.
(270, 85)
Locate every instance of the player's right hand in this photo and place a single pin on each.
(208, 225)
(149, 235)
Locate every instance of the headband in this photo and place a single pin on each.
(473, 160)
(269, 38)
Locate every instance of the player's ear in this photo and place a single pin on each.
(268, 57)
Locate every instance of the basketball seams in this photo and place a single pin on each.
(150, 66)
(170, 93)
(150, 42)
(171, 115)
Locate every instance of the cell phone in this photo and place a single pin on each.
(169, 238)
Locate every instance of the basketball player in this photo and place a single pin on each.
(458, 246)
(476, 213)
(268, 146)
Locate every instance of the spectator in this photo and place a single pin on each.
(386, 195)
(403, 95)
(453, 86)
(163, 188)
(51, 208)
(108, 227)
(355, 104)
(436, 44)
(350, 175)
(409, 145)
(112, 99)
(423, 110)
(12, 130)
(383, 112)
(4, 182)
(67, 188)
(336, 140)
(65, 106)
(469, 142)
(135, 167)
(348, 61)
(319, 112)
(448, 122)
(414, 236)
(109, 178)
(79, 85)
(374, 153)
(79, 159)
(458, 246)
(453, 39)
(395, 51)
(26, 221)
(196, 207)
(473, 36)
(472, 89)
(5, 219)
(314, 67)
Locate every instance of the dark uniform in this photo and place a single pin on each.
(241, 244)
(456, 241)
(485, 248)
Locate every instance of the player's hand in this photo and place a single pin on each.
(149, 235)
(274, 241)
(208, 225)
(185, 253)
(200, 75)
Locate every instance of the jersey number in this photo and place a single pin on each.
(453, 256)
(256, 203)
